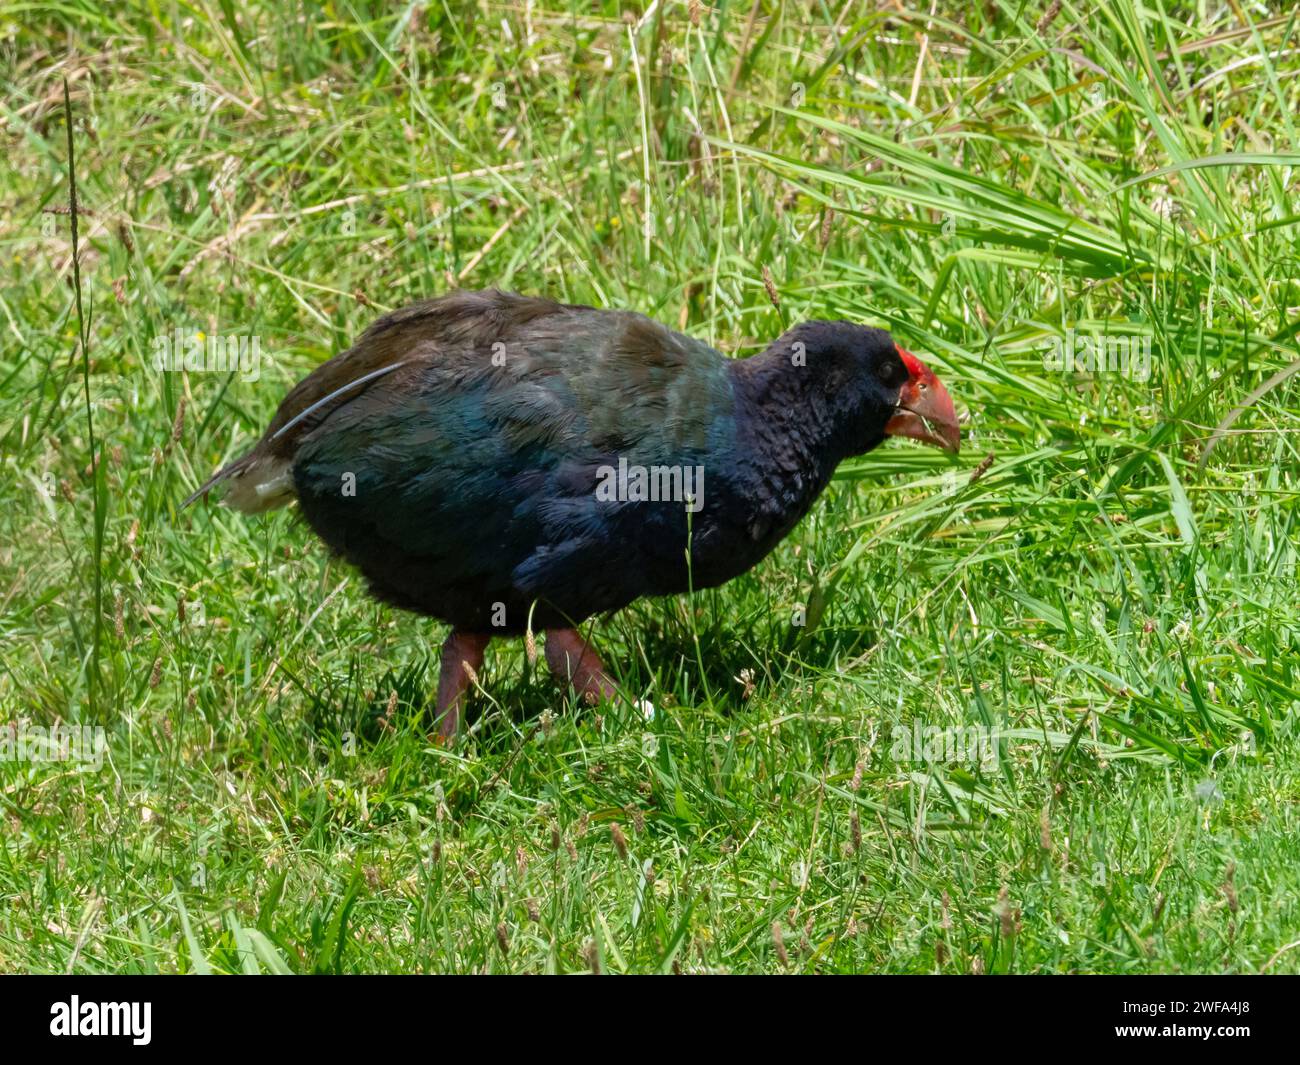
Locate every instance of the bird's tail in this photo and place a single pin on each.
(258, 483)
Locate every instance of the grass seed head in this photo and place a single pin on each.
(770, 285)
(1049, 16)
(778, 942)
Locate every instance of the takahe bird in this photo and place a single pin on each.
(504, 463)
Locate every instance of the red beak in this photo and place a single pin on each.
(925, 410)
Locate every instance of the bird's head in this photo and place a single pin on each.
(874, 387)
(923, 409)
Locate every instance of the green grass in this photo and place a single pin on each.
(1120, 607)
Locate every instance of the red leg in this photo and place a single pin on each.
(574, 660)
(462, 655)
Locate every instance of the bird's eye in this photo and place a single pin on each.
(892, 372)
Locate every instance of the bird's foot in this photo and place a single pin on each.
(462, 658)
(573, 659)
